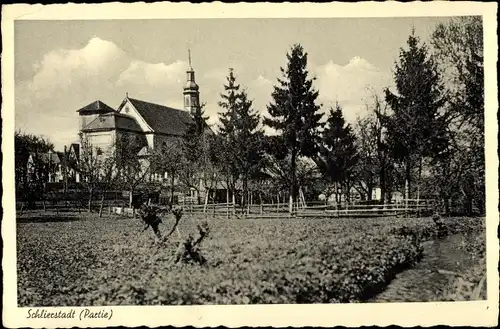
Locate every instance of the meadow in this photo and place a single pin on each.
(71, 259)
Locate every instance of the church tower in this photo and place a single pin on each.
(191, 90)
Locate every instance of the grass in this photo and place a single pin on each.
(76, 260)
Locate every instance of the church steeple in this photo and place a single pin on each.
(191, 90)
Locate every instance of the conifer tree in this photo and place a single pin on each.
(337, 153)
(240, 132)
(294, 114)
(416, 128)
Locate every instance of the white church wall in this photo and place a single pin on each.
(129, 109)
(103, 140)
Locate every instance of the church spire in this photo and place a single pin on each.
(189, 56)
(191, 93)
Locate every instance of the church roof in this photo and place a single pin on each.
(163, 119)
(96, 107)
(112, 121)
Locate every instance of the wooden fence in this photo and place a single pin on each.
(264, 210)
(277, 210)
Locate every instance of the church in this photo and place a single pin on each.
(154, 124)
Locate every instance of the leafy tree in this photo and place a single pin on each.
(294, 114)
(337, 153)
(375, 165)
(24, 145)
(169, 158)
(366, 170)
(132, 162)
(240, 132)
(416, 128)
(458, 46)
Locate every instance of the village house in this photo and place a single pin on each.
(46, 167)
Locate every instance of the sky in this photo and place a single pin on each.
(61, 65)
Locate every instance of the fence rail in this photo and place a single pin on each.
(269, 210)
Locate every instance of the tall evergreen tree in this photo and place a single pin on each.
(338, 154)
(294, 114)
(239, 129)
(416, 128)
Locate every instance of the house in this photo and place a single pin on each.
(45, 167)
(73, 157)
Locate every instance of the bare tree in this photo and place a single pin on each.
(89, 167)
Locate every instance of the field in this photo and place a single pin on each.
(75, 260)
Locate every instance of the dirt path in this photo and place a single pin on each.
(427, 280)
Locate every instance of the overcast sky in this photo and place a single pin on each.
(61, 66)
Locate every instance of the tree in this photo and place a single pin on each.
(109, 175)
(133, 162)
(294, 114)
(416, 128)
(195, 148)
(367, 168)
(89, 167)
(169, 158)
(458, 46)
(240, 132)
(337, 153)
(375, 165)
(24, 145)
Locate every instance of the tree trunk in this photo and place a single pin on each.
(383, 186)
(234, 201)
(207, 192)
(172, 181)
(370, 191)
(89, 209)
(101, 207)
(130, 198)
(244, 196)
(407, 183)
(227, 201)
(418, 185)
(446, 206)
(293, 180)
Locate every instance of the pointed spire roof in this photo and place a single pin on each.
(189, 59)
(96, 107)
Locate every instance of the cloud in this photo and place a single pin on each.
(351, 85)
(65, 80)
(68, 79)
(97, 65)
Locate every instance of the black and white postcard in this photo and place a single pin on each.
(250, 164)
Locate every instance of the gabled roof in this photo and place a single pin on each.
(113, 121)
(96, 107)
(75, 148)
(163, 119)
(50, 157)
